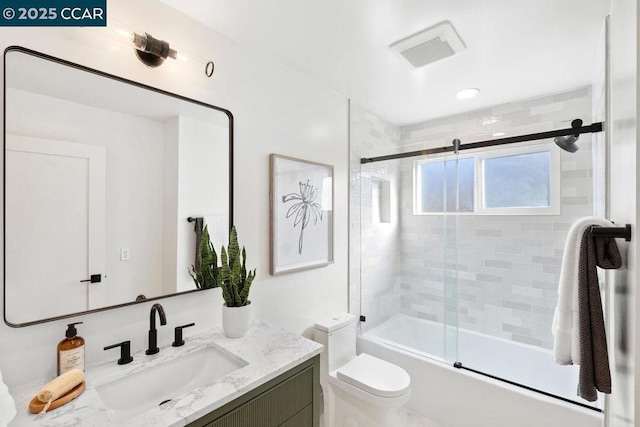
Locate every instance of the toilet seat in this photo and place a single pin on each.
(375, 376)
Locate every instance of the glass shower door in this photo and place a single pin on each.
(459, 181)
(407, 283)
(378, 237)
(509, 254)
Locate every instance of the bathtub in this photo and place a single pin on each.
(455, 397)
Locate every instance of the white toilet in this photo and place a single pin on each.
(359, 391)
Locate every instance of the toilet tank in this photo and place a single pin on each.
(338, 335)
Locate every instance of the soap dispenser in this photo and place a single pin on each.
(71, 350)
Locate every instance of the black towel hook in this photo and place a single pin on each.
(615, 232)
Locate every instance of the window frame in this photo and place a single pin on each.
(417, 183)
(480, 157)
(554, 181)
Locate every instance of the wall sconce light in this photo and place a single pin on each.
(153, 52)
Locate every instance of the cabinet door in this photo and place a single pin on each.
(303, 418)
(275, 406)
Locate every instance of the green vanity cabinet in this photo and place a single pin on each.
(290, 400)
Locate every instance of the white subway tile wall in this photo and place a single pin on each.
(378, 270)
(501, 270)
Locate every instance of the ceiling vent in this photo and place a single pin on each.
(430, 45)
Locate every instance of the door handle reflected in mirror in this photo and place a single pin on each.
(95, 278)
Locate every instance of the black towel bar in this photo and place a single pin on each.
(191, 218)
(617, 232)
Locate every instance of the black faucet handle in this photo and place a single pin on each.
(177, 339)
(125, 352)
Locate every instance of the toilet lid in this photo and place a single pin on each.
(375, 376)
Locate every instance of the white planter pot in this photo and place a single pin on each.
(236, 320)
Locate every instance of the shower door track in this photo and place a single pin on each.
(592, 128)
(526, 387)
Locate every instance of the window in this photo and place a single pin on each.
(434, 185)
(517, 181)
(520, 181)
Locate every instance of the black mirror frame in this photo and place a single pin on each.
(4, 146)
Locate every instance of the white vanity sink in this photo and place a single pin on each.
(132, 395)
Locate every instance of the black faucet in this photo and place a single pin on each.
(153, 333)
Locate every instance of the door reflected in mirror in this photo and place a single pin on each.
(101, 175)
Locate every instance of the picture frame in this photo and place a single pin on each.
(301, 214)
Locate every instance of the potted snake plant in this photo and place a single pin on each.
(206, 271)
(235, 281)
(233, 277)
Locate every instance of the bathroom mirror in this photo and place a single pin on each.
(101, 177)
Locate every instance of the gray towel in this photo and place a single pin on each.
(198, 226)
(594, 360)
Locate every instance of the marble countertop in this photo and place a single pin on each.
(267, 350)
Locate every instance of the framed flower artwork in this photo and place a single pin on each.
(301, 210)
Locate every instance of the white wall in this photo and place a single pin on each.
(203, 167)
(623, 131)
(170, 205)
(276, 110)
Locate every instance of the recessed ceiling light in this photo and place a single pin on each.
(467, 93)
(499, 134)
